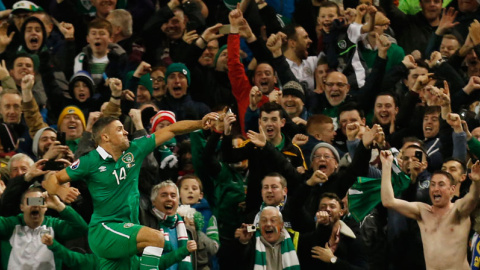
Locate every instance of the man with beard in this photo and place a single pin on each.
(21, 235)
(443, 224)
(111, 172)
(296, 53)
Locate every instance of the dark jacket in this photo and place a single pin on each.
(412, 31)
(307, 198)
(262, 161)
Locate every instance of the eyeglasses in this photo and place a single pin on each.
(158, 79)
(326, 157)
(339, 85)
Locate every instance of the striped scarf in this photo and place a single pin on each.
(167, 222)
(289, 256)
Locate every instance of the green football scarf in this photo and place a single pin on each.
(289, 256)
(167, 222)
(364, 195)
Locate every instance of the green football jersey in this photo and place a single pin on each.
(113, 185)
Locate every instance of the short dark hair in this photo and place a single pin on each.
(329, 4)
(283, 181)
(446, 174)
(350, 106)
(18, 55)
(462, 163)
(389, 93)
(432, 110)
(290, 30)
(413, 139)
(332, 196)
(100, 23)
(100, 125)
(271, 107)
(414, 146)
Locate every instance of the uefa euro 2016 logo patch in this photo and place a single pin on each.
(75, 164)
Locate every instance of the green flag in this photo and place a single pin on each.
(365, 194)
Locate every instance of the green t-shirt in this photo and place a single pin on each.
(113, 185)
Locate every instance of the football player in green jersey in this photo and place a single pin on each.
(111, 172)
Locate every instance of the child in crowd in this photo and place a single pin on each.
(191, 193)
(101, 58)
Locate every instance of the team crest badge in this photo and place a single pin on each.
(127, 225)
(128, 158)
(75, 164)
(342, 44)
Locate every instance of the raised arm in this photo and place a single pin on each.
(408, 209)
(184, 127)
(468, 203)
(55, 182)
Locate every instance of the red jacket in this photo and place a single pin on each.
(241, 85)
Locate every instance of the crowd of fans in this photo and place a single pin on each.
(319, 106)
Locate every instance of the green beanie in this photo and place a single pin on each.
(178, 67)
(218, 54)
(145, 80)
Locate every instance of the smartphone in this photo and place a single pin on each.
(52, 165)
(61, 137)
(419, 155)
(35, 201)
(191, 26)
(224, 29)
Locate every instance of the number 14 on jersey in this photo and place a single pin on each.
(121, 176)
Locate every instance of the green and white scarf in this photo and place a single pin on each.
(167, 222)
(289, 256)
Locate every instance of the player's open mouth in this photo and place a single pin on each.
(72, 127)
(263, 83)
(177, 88)
(322, 167)
(168, 207)
(97, 44)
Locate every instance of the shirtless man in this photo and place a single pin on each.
(444, 225)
